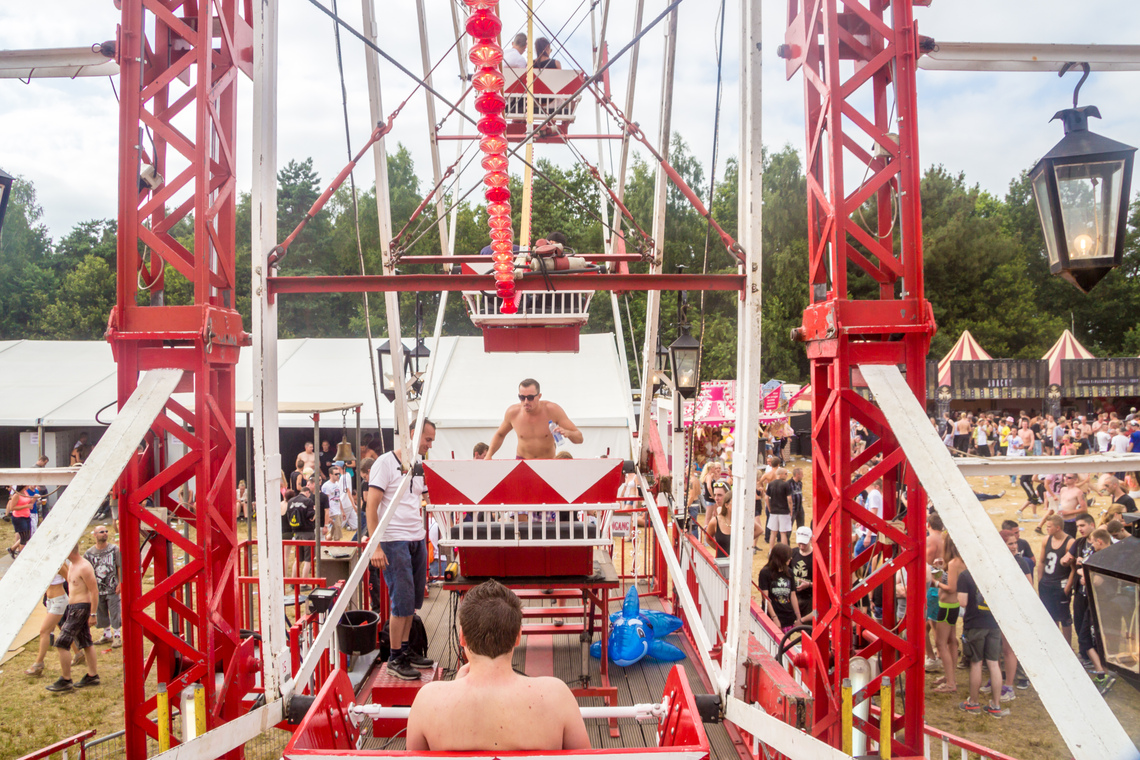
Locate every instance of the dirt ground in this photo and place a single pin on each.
(33, 718)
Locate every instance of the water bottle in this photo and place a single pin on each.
(559, 440)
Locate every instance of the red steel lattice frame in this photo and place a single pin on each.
(179, 64)
(854, 54)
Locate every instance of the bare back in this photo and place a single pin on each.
(499, 713)
(81, 584)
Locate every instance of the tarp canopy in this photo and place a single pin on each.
(67, 383)
(966, 349)
(1066, 347)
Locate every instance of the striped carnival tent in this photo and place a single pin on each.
(966, 349)
(1066, 347)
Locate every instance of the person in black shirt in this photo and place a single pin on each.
(797, 483)
(780, 506)
(1088, 643)
(982, 643)
(326, 458)
(1053, 583)
(801, 567)
(1024, 550)
(718, 529)
(778, 587)
(300, 517)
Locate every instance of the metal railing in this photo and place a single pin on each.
(64, 748)
(562, 307)
(524, 525)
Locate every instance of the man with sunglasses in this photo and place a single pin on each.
(535, 423)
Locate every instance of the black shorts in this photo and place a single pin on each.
(962, 441)
(306, 552)
(1056, 602)
(23, 528)
(948, 614)
(75, 627)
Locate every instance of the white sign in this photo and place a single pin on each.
(621, 525)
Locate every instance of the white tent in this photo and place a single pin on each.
(67, 383)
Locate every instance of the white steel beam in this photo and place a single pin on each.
(27, 579)
(1010, 56)
(660, 206)
(748, 347)
(37, 476)
(266, 445)
(772, 732)
(64, 63)
(975, 466)
(1088, 726)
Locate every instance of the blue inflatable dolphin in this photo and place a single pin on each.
(635, 634)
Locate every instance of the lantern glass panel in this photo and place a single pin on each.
(1090, 205)
(685, 367)
(1117, 603)
(1040, 182)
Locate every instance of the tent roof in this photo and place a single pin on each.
(67, 383)
(1066, 347)
(966, 349)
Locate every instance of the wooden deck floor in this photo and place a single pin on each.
(639, 683)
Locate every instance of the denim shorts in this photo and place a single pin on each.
(405, 575)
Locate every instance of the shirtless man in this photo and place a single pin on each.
(962, 433)
(1071, 502)
(490, 707)
(530, 419)
(82, 599)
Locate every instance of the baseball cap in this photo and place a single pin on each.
(307, 472)
(338, 463)
(803, 535)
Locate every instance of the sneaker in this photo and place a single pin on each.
(117, 642)
(402, 670)
(970, 707)
(418, 661)
(1085, 663)
(63, 684)
(996, 712)
(1104, 682)
(1038, 531)
(985, 689)
(107, 637)
(1007, 694)
(87, 680)
(933, 664)
(1022, 683)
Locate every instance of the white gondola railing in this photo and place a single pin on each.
(503, 525)
(536, 308)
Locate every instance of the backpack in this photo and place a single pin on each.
(417, 639)
(296, 514)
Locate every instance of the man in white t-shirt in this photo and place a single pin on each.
(515, 56)
(874, 505)
(331, 489)
(348, 507)
(1119, 441)
(402, 555)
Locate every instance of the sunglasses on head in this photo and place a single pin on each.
(527, 396)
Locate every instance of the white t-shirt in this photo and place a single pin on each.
(1016, 447)
(980, 437)
(408, 522)
(1102, 440)
(1119, 443)
(332, 490)
(513, 58)
(873, 504)
(351, 516)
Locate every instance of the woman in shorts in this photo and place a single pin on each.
(946, 621)
(56, 603)
(20, 508)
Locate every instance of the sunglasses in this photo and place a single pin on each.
(528, 396)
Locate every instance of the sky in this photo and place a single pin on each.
(61, 134)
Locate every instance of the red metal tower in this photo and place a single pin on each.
(858, 60)
(180, 63)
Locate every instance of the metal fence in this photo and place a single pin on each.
(266, 746)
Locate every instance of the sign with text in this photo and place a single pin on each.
(621, 526)
(1100, 378)
(999, 378)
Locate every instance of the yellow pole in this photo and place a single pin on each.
(848, 710)
(886, 718)
(528, 176)
(199, 709)
(163, 718)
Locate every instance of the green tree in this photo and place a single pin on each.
(28, 280)
(85, 299)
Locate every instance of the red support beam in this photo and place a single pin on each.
(436, 283)
(181, 60)
(858, 60)
(592, 258)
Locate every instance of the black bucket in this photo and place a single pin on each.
(356, 631)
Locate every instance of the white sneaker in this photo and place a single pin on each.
(933, 664)
(107, 637)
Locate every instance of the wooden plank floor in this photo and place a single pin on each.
(639, 683)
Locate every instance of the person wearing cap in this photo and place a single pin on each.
(801, 567)
(1134, 436)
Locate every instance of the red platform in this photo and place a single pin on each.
(389, 691)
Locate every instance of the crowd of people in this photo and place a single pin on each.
(991, 434)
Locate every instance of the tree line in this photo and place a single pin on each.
(985, 262)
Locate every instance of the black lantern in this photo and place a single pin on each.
(1082, 191)
(1112, 576)
(685, 355)
(413, 381)
(6, 181)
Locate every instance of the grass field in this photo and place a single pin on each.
(33, 718)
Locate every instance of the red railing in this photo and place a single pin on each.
(62, 747)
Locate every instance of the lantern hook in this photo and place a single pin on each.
(1084, 67)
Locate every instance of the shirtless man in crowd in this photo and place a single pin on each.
(1070, 503)
(530, 419)
(489, 706)
(82, 600)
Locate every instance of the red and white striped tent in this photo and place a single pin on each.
(1066, 347)
(966, 349)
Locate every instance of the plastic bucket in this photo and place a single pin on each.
(356, 631)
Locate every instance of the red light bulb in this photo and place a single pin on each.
(486, 53)
(483, 24)
(487, 80)
(499, 209)
(504, 247)
(493, 144)
(508, 306)
(495, 162)
(499, 222)
(489, 103)
(501, 235)
(480, 4)
(497, 179)
(492, 124)
(497, 194)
